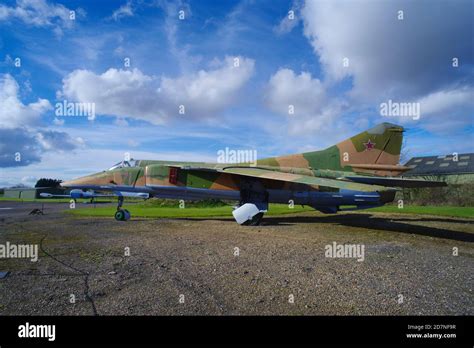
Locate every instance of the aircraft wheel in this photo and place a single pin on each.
(127, 215)
(120, 215)
(255, 221)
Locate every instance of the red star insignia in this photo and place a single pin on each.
(369, 145)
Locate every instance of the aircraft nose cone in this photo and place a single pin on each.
(88, 180)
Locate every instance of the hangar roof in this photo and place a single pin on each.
(435, 165)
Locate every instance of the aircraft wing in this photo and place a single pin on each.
(50, 195)
(296, 178)
(90, 195)
(356, 183)
(395, 181)
(86, 194)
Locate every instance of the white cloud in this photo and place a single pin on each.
(445, 100)
(125, 10)
(408, 60)
(443, 111)
(39, 13)
(58, 122)
(286, 25)
(121, 122)
(132, 143)
(388, 57)
(56, 141)
(29, 180)
(291, 19)
(285, 88)
(13, 113)
(172, 10)
(21, 147)
(447, 110)
(306, 96)
(18, 135)
(131, 93)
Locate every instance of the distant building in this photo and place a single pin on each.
(30, 192)
(20, 192)
(444, 168)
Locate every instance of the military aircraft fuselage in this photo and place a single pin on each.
(178, 180)
(360, 172)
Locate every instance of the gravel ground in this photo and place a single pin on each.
(408, 265)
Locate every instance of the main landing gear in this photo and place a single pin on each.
(121, 214)
(253, 204)
(254, 221)
(249, 214)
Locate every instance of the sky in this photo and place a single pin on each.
(182, 80)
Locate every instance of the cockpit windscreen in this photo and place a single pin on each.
(124, 164)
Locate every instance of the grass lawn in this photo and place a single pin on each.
(145, 210)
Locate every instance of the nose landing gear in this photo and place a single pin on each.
(121, 214)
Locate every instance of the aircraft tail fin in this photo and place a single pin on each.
(374, 151)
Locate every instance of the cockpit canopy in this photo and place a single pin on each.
(124, 164)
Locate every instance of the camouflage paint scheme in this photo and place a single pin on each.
(367, 162)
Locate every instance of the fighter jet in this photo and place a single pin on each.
(357, 173)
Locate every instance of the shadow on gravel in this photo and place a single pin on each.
(378, 223)
(440, 219)
(370, 222)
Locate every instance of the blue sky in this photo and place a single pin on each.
(281, 60)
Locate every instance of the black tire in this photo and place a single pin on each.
(255, 221)
(119, 215)
(127, 215)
